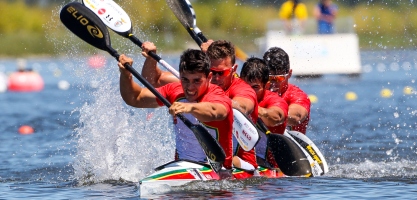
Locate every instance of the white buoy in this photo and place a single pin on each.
(3, 82)
(63, 85)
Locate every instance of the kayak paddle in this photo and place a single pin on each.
(290, 158)
(87, 26)
(185, 13)
(114, 17)
(310, 148)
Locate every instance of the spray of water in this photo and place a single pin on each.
(115, 141)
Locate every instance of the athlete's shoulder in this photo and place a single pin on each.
(293, 88)
(240, 88)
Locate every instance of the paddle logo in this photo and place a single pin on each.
(101, 11)
(110, 13)
(313, 154)
(93, 30)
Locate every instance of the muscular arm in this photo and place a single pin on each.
(271, 116)
(203, 111)
(130, 91)
(244, 105)
(296, 114)
(151, 71)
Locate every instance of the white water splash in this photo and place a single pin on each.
(369, 169)
(115, 141)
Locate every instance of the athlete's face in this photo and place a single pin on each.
(194, 85)
(279, 81)
(223, 71)
(259, 88)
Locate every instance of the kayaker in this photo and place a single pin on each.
(298, 102)
(272, 109)
(195, 97)
(223, 70)
(223, 67)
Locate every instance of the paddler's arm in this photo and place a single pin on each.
(296, 114)
(206, 45)
(203, 111)
(271, 116)
(151, 71)
(131, 92)
(244, 105)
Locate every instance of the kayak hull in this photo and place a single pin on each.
(181, 172)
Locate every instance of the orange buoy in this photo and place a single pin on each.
(25, 81)
(26, 130)
(97, 61)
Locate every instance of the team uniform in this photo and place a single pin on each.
(187, 146)
(240, 88)
(271, 99)
(294, 95)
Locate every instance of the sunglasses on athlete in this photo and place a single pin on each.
(225, 72)
(278, 78)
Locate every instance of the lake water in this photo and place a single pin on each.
(88, 144)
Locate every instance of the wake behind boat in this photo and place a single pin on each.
(180, 172)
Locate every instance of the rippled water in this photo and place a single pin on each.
(89, 144)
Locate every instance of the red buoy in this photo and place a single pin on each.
(25, 81)
(26, 130)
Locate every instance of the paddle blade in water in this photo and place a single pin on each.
(184, 12)
(311, 149)
(85, 24)
(290, 158)
(112, 15)
(211, 147)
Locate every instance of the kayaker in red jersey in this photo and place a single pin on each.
(272, 109)
(223, 68)
(193, 96)
(298, 102)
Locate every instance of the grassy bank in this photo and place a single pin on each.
(37, 31)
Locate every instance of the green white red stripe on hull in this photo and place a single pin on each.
(181, 172)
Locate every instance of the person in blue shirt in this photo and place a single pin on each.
(325, 13)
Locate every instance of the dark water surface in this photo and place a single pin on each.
(88, 144)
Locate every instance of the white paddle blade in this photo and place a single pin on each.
(307, 144)
(315, 167)
(244, 131)
(111, 14)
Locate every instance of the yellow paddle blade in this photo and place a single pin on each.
(240, 54)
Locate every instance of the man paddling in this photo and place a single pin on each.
(195, 98)
(298, 102)
(272, 109)
(223, 69)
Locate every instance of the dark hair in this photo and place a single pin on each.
(221, 49)
(277, 60)
(255, 69)
(194, 61)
